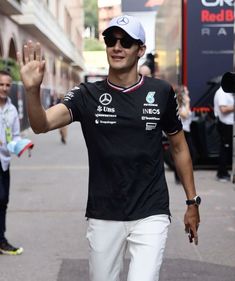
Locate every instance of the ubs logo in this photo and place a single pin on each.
(105, 99)
(215, 3)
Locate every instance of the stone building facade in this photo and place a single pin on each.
(57, 25)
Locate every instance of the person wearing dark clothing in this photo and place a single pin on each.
(122, 119)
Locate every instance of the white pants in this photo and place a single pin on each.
(108, 241)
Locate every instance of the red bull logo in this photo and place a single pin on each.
(217, 17)
(223, 14)
(217, 3)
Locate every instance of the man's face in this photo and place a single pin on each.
(5, 85)
(121, 56)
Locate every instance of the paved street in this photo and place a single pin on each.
(46, 217)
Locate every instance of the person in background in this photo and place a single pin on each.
(122, 118)
(224, 112)
(145, 70)
(185, 114)
(9, 131)
(63, 134)
(63, 131)
(148, 67)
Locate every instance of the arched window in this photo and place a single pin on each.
(12, 50)
(54, 69)
(1, 49)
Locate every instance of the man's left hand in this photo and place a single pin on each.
(191, 221)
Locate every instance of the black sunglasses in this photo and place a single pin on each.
(126, 41)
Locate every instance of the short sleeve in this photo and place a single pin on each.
(73, 100)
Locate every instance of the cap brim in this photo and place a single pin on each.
(109, 29)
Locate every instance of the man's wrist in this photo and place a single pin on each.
(33, 90)
(196, 201)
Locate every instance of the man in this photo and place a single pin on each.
(224, 111)
(9, 131)
(125, 114)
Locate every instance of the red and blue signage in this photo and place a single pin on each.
(208, 42)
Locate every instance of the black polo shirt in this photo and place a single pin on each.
(123, 133)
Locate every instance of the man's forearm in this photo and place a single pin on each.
(227, 109)
(184, 169)
(187, 179)
(36, 112)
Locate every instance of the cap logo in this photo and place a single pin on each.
(123, 21)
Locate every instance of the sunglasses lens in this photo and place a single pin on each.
(126, 42)
(110, 41)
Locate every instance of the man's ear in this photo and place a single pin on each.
(142, 49)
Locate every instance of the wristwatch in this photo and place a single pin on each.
(195, 201)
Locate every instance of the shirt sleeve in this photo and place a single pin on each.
(74, 101)
(171, 122)
(223, 98)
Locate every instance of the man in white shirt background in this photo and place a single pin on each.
(224, 111)
(9, 131)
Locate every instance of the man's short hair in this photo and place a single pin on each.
(5, 72)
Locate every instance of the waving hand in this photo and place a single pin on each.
(32, 66)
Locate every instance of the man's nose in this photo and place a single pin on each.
(118, 44)
(5, 87)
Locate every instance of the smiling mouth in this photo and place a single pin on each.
(3, 96)
(117, 58)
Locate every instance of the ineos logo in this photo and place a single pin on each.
(215, 3)
(123, 21)
(105, 99)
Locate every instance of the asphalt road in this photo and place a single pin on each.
(46, 217)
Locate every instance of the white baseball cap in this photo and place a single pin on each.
(130, 25)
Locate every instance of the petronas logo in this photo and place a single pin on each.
(150, 97)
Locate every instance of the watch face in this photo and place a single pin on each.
(198, 200)
(195, 201)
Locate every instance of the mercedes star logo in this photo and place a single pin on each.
(123, 21)
(105, 99)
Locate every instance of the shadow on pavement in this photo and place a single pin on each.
(172, 270)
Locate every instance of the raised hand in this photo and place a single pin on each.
(32, 66)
